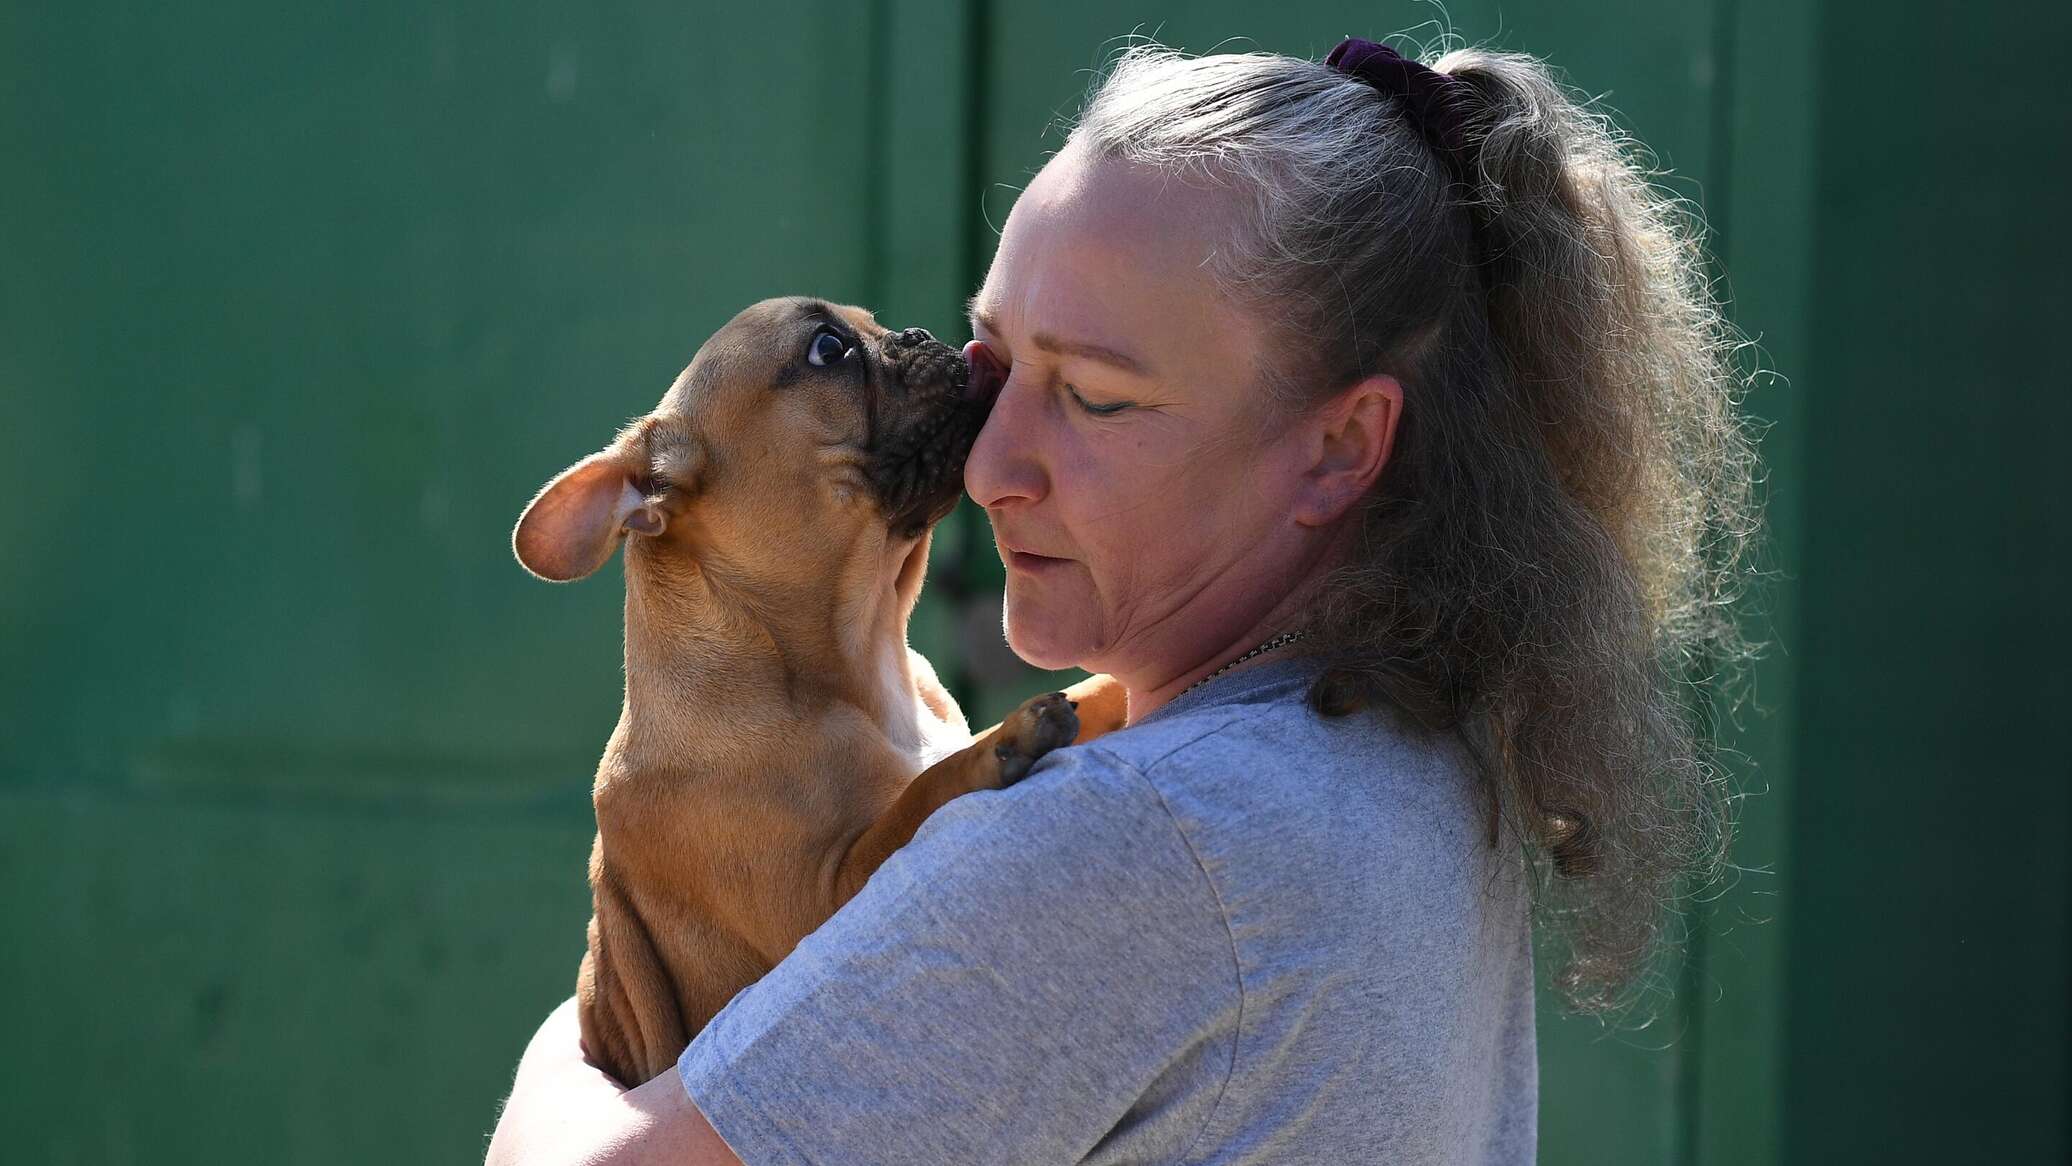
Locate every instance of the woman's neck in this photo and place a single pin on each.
(1201, 642)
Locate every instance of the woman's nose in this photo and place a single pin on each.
(1006, 462)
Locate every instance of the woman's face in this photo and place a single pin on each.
(1139, 495)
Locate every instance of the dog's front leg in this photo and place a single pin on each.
(1102, 704)
(996, 760)
(631, 1022)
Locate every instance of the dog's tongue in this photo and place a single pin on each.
(985, 373)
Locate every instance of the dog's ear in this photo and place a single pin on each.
(573, 525)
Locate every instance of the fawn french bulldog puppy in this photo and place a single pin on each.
(778, 739)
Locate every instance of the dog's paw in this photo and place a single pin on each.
(1042, 724)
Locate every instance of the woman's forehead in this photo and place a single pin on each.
(1108, 255)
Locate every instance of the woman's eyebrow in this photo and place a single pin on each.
(1084, 349)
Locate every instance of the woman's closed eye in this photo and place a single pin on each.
(1097, 408)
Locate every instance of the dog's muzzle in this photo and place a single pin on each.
(931, 405)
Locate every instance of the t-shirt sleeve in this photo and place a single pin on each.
(1003, 989)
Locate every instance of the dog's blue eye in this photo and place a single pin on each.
(827, 348)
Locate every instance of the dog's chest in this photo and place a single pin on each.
(937, 740)
(918, 734)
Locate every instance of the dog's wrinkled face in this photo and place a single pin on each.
(801, 434)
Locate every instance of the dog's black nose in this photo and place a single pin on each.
(912, 336)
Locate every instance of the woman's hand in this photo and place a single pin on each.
(565, 1111)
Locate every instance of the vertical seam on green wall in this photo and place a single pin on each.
(978, 110)
(877, 112)
(1690, 1082)
(977, 117)
(1720, 164)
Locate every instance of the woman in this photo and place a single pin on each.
(1373, 424)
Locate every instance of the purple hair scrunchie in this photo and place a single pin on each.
(1438, 104)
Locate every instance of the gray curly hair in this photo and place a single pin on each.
(1548, 563)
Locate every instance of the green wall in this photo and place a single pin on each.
(299, 307)
(1928, 981)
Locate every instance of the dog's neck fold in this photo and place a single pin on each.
(693, 642)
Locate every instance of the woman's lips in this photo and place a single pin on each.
(1023, 560)
(1018, 559)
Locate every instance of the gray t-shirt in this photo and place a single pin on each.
(1235, 932)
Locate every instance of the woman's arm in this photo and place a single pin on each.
(564, 1111)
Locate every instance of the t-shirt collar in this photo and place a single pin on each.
(1240, 686)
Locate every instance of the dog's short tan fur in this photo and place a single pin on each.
(775, 512)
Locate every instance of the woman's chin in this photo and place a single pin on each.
(1042, 641)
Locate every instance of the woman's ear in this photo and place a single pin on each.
(573, 525)
(1349, 441)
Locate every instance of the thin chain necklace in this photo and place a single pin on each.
(1279, 641)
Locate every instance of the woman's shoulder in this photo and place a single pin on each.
(1257, 762)
(1242, 760)
(1263, 724)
